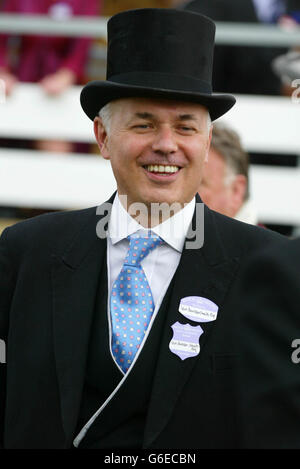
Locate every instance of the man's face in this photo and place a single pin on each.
(220, 196)
(149, 136)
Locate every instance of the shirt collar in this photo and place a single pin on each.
(173, 231)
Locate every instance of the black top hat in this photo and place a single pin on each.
(158, 53)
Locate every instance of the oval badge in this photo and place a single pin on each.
(198, 309)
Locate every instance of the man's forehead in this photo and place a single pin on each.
(148, 107)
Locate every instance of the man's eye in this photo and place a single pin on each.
(141, 126)
(184, 128)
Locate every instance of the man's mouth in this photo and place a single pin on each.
(161, 169)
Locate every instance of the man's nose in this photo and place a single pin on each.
(165, 141)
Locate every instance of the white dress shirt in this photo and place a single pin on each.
(161, 263)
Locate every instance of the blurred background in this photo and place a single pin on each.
(48, 159)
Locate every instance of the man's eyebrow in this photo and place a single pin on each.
(187, 117)
(144, 115)
(181, 117)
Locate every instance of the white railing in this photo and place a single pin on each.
(226, 32)
(60, 181)
(53, 181)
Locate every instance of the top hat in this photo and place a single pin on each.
(158, 53)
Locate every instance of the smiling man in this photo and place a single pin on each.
(121, 337)
(156, 148)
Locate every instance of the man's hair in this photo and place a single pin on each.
(228, 144)
(106, 112)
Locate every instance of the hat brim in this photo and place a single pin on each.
(98, 93)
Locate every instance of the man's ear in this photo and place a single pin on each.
(238, 191)
(101, 137)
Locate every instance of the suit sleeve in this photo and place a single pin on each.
(6, 292)
(267, 300)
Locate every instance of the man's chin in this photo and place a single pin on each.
(153, 210)
(160, 197)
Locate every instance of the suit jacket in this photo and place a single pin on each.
(49, 268)
(267, 295)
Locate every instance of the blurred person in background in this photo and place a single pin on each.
(243, 69)
(225, 183)
(56, 63)
(287, 66)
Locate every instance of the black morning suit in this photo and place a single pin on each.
(267, 296)
(53, 293)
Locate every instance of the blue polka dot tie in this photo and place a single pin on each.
(131, 302)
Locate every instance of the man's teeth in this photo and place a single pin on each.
(162, 169)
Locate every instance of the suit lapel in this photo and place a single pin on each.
(74, 280)
(205, 272)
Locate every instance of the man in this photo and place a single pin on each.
(108, 350)
(267, 298)
(225, 181)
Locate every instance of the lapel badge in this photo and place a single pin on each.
(185, 340)
(198, 309)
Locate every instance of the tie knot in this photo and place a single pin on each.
(140, 246)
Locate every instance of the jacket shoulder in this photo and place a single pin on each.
(284, 258)
(47, 231)
(237, 235)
